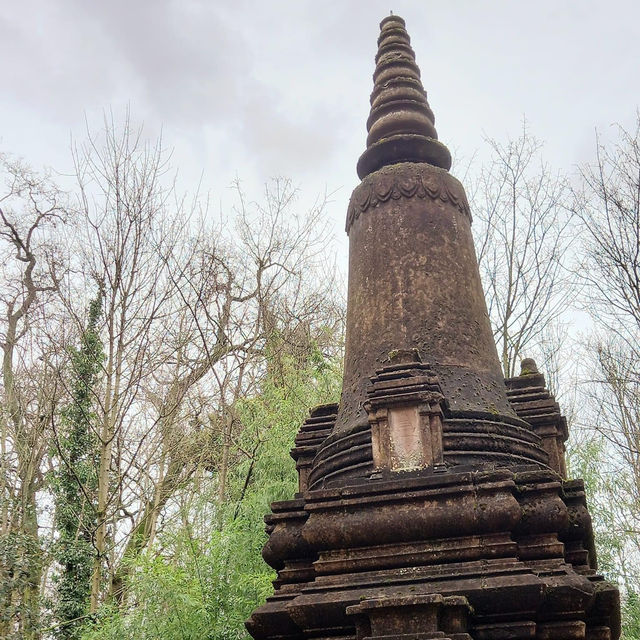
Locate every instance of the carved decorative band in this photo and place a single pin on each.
(406, 180)
(347, 456)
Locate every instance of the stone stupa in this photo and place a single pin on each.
(433, 500)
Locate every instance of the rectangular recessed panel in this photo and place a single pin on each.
(405, 438)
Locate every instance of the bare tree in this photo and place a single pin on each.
(125, 231)
(609, 208)
(30, 210)
(195, 314)
(235, 291)
(522, 236)
(190, 307)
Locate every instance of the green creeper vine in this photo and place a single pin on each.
(74, 483)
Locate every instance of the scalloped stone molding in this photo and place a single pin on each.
(406, 180)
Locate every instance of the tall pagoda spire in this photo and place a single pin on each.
(401, 123)
(414, 288)
(433, 502)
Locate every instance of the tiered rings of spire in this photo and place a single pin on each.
(401, 124)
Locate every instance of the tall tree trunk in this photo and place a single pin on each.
(104, 466)
(224, 464)
(25, 522)
(31, 589)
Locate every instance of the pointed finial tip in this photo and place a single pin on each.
(392, 19)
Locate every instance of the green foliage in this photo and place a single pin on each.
(631, 616)
(271, 421)
(586, 461)
(74, 483)
(20, 559)
(208, 574)
(607, 500)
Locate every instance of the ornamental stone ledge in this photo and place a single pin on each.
(407, 180)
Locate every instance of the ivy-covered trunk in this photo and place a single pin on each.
(75, 483)
(33, 574)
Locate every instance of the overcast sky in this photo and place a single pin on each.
(280, 88)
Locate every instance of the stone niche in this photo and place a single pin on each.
(404, 406)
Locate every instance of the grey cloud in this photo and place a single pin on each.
(184, 64)
(283, 85)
